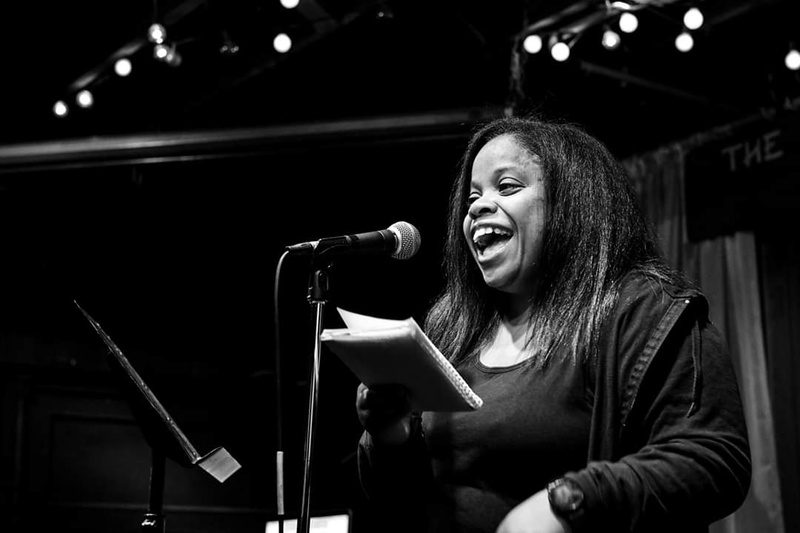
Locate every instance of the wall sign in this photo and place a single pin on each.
(749, 179)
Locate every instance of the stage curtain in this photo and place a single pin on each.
(726, 269)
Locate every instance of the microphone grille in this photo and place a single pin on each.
(408, 238)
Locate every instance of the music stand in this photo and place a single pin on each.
(162, 434)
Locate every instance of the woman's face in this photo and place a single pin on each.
(504, 225)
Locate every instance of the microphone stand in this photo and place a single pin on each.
(317, 294)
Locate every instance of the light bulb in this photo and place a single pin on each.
(84, 98)
(282, 43)
(532, 44)
(290, 4)
(684, 42)
(628, 22)
(560, 51)
(229, 48)
(123, 66)
(793, 60)
(60, 109)
(693, 18)
(173, 58)
(611, 39)
(160, 51)
(156, 33)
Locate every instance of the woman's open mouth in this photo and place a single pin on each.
(490, 240)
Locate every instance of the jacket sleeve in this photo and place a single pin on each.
(680, 459)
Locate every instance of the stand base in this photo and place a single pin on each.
(152, 523)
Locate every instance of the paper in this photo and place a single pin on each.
(382, 351)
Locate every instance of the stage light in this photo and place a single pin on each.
(160, 51)
(684, 42)
(532, 44)
(628, 22)
(60, 109)
(229, 47)
(156, 33)
(611, 39)
(792, 59)
(84, 99)
(560, 51)
(282, 43)
(693, 18)
(384, 13)
(290, 4)
(173, 58)
(123, 67)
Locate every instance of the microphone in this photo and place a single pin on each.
(401, 240)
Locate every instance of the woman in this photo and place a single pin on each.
(610, 401)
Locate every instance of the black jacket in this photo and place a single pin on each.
(668, 447)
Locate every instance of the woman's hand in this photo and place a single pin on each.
(385, 413)
(533, 515)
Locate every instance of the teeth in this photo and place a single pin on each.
(486, 236)
(480, 232)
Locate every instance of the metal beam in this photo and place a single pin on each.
(216, 144)
(594, 68)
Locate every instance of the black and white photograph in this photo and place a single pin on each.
(384, 266)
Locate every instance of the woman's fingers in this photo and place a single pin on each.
(383, 396)
(381, 405)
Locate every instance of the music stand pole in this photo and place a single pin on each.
(154, 517)
(317, 290)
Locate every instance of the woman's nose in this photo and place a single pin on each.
(481, 206)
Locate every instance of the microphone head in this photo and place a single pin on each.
(408, 240)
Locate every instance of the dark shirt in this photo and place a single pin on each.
(488, 461)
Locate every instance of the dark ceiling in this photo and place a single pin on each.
(356, 59)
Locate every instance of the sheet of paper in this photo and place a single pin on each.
(358, 322)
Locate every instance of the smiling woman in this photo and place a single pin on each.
(587, 349)
(506, 218)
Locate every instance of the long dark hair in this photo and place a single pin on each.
(595, 233)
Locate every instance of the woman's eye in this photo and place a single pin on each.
(509, 187)
(472, 198)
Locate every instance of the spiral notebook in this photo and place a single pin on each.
(381, 351)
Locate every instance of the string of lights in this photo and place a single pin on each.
(166, 51)
(617, 18)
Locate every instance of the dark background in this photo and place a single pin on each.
(164, 210)
(178, 263)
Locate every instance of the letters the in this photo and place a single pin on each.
(764, 148)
